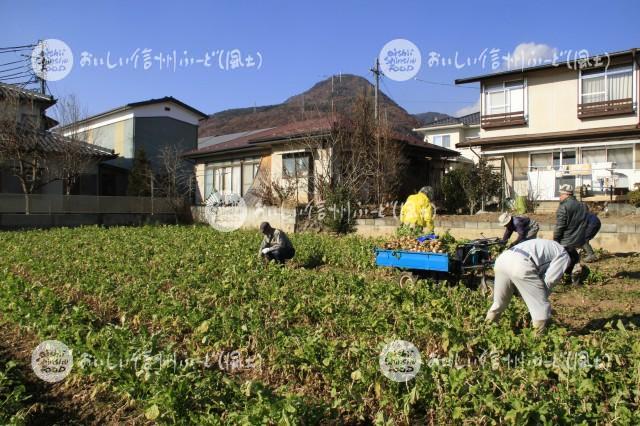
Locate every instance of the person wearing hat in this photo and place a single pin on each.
(525, 227)
(571, 224)
(275, 244)
(417, 211)
(532, 267)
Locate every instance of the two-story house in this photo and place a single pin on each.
(570, 122)
(34, 159)
(148, 125)
(450, 131)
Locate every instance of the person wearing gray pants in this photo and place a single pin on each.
(533, 267)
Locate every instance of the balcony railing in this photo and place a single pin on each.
(503, 120)
(604, 108)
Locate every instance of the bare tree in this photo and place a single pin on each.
(358, 154)
(176, 180)
(73, 161)
(271, 192)
(21, 137)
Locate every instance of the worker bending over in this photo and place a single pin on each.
(533, 267)
(525, 227)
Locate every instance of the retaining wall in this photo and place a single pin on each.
(615, 238)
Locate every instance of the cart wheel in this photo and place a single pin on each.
(406, 278)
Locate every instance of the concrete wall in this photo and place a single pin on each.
(282, 218)
(616, 238)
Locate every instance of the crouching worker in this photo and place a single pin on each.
(525, 227)
(533, 267)
(275, 244)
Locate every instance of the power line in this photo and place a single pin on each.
(26, 72)
(13, 50)
(438, 83)
(14, 68)
(25, 60)
(19, 47)
(396, 100)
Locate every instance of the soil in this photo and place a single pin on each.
(611, 293)
(73, 401)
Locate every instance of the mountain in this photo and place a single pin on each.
(429, 117)
(339, 91)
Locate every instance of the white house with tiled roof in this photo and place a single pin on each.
(572, 123)
(448, 132)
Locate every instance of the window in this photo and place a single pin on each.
(249, 172)
(442, 140)
(556, 159)
(540, 161)
(607, 85)
(622, 157)
(594, 156)
(507, 97)
(295, 165)
(230, 178)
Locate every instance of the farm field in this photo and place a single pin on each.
(184, 325)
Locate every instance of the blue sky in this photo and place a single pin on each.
(302, 42)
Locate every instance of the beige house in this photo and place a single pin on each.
(563, 123)
(239, 163)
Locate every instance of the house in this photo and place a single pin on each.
(148, 125)
(449, 131)
(239, 163)
(562, 123)
(34, 157)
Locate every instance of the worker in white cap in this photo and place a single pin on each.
(525, 227)
(533, 267)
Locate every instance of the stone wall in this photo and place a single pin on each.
(616, 238)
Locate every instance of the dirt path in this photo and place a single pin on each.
(73, 401)
(611, 293)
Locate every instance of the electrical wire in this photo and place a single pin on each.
(13, 50)
(19, 47)
(438, 83)
(420, 101)
(25, 60)
(14, 68)
(25, 73)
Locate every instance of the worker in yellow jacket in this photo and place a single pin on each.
(418, 211)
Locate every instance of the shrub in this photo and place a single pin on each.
(634, 196)
(454, 199)
(340, 205)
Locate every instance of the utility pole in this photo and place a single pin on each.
(43, 68)
(376, 73)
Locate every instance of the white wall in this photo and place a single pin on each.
(552, 105)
